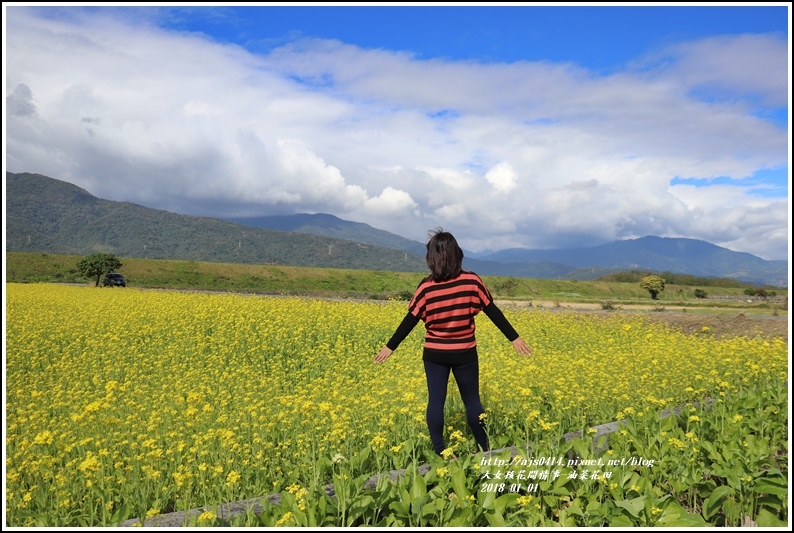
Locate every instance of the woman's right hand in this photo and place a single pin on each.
(383, 354)
(521, 347)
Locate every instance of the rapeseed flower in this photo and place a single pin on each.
(216, 383)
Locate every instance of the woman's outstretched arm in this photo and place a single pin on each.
(406, 326)
(501, 322)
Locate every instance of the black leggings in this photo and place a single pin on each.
(467, 376)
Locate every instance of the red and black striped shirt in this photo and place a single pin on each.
(448, 309)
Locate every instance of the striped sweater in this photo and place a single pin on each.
(448, 309)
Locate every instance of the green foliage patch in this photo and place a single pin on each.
(721, 464)
(24, 267)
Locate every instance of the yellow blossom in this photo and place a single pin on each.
(198, 385)
(524, 500)
(45, 437)
(232, 478)
(285, 519)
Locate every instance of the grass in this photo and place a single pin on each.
(345, 283)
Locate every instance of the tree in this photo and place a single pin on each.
(652, 284)
(97, 265)
(700, 293)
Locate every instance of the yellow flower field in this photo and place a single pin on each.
(166, 400)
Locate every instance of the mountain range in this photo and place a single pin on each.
(48, 215)
(44, 214)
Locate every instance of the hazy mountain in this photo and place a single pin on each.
(331, 226)
(658, 254)
(661, 254)
(48, 215)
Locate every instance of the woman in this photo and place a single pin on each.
(446, 301)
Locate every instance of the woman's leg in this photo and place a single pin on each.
(437, 381)
(467, 376)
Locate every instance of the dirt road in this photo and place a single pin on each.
(721, 322)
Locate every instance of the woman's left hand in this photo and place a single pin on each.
(521, 347)
(383, 354)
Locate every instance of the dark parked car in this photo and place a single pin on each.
(114, 280)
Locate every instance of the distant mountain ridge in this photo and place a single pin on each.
(662, 254)
(332, 226)
(658, 254)
(48, 215)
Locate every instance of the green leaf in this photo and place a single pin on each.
(729, 453)
(732, 509)
(575, 508)
(751, 402)
(429, 510)
(566, 520)
(560, 491)
(713, 503)
(712, 451)
(459, 484)
(393, 521)
(678, 486)
(418, 487)
(594, 506)
(121, 514)
(675, 516)
(504, 500)
(581, 447)
(363, 455)
(634, 506)
(300, 517)
(602, 443)
(360, 506)
(766, 518)
(771, 485)
(705, 488)
(400, 508)
(311, 516)
(486, 499)
(559, 485)
(621, 521)
(460, 518)
(668, 423)
(495, 519)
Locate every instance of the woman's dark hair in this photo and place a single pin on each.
(444, 256)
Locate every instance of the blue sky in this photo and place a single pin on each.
(598, 37)
(511, 126)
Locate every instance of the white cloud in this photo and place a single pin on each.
(522, 154)
(390, 202)
(747, 65)
(727, 216)
(502, 177)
